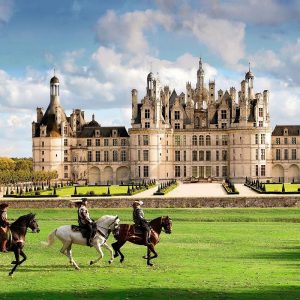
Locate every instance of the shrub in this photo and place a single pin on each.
(37, 193)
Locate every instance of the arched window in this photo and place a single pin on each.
(208, 142)
(201, 140)
(197, 122)
(194, 140)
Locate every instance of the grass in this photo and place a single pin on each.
(98, 190)
(289, 187)
(211, 254)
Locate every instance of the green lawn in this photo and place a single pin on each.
(289, 187)
(82, 190)
(211, 254)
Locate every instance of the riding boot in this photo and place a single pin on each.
(3, 246)
(147, 239)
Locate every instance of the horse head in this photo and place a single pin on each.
(166, 223)
(32, 223)
(114, 227)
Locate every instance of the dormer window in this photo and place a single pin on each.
(115, 132)
(286, 131)
(147, 113)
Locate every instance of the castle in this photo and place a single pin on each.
(202, 133)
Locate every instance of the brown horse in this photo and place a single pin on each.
(18, 230)
(135, 235)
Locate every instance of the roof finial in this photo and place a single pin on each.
(249, 66)
(93, 117)
(54, 71)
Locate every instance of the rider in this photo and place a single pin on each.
(3, 226)
(84, 219)
(139, 220)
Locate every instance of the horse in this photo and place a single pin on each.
(135, 235)
(16, 238)
(68, 236)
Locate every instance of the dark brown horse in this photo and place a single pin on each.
(135, 235)
(18, 230)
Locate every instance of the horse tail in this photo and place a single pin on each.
(51, 238)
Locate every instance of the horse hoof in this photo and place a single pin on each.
(91, 262)
(145, 257)
(121, 260)
(110, 262)
(150, 265)
(116, 255)
(10, 274)
(13, 262)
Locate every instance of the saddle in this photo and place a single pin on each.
(83, 230)
(137, 230)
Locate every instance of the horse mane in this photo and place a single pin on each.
(105, 217)
(23, 218)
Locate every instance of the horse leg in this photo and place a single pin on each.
(17, 256)
(23, 255)
(110, 251)
(99, 250)
(117, 246)
(151, 248)
(69, 255)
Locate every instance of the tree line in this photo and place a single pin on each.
(16, 170)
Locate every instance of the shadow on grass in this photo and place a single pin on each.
(274, 293)
(280, 256)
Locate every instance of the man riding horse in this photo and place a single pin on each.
(139, 220)
(3, 227)
(84, 219)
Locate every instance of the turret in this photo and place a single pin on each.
(232, 93)
(150, 85)
(249, 77)
(244, 90)
(211, 96)
(200, 76)
(166, 103)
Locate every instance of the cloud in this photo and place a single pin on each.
(6, 10)
(266, 60)
(127, 31)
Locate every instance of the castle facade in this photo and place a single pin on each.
(201, 133)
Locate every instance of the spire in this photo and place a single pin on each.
(93, 117)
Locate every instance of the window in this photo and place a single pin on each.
(217, 155)
(285, 141)
(115, 155)
(260, 124)
(44, 152)
(147, 113)
(43, 143)
(263, 139)
(184, 171)
(256, 139)
(201, 155)
(294, 154)
(65, 158)
(89, 155)
(115, 142)
(224, 171)
(123, 142)
(146, 155)
(194, 155)
(286, 154)
(139, 155)
(256, 154)
(208, 156)
(223, 114)
(217, 171)
(208, 140)
(184, 140)
(224, 154)
(177, 115)
(194, 171)
(106, 156)
(278, 156)
(177, 171)
(217, 140)
(208, 171)
(145, 140)
(146, 171)
(65, 130)
(260, 112)
(194, 140)
(139, 140)
(224, 125)
(177, 125)
(139, 171)
(263, 170)
(177, 140)
(106, 142)
(262, 154)
(89, 142)
(184, 155)
(201, 140)
(97, 142)
(294, 141)
(147, 124)
(256, 170)
(277, 141)
(123, 155)
(66, 175)
(177, 155)
(66, 168)
(43, 159)
(65, 142)
(97, 155)
(224, 140)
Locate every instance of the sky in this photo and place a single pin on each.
(101, 50)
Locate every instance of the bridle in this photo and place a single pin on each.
(165, 224)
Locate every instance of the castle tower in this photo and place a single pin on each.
(150, 85)
(134, 100)
(249, 77)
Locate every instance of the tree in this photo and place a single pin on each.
(7, 163)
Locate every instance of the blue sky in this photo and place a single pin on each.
(103, 49)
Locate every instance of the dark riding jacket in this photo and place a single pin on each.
(139, 218)
(3, 218)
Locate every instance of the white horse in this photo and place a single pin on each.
(105, 225)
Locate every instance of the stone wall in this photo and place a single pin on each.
(161, 202)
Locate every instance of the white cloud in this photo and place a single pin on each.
(266, 60)
(6, 10)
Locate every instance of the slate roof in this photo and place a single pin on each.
(292, 130)
(88, 131)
